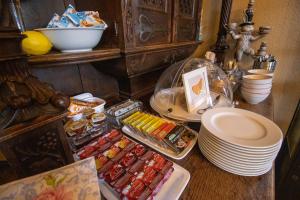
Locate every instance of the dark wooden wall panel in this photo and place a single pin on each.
(75, 79)
(63, 78)
(98, 83)
(37, 13)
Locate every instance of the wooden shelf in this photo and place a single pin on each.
(58, 58)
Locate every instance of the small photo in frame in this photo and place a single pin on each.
(196, 88)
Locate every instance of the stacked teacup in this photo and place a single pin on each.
(256, 86)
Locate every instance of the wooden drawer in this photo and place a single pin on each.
(150, 61)
(186, 14)
(152, 22)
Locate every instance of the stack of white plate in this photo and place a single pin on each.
(256, 88)
(239, 141)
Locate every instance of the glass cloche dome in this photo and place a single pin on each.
(170, 94)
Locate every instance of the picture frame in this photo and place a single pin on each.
(196, 88)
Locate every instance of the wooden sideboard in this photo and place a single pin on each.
(142, 39)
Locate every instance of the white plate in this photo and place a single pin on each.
(242, 128)
(234, 161)
(235, 166)
(236, 171)
(159, 148)
(236, 156)
(174, 98)
(233, 156)
(236, 149)
(171, 189)
(220, 142)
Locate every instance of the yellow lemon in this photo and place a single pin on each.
(35, 43)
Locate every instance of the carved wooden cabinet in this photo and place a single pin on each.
(186, 16)
(141, 27)
(152, 34)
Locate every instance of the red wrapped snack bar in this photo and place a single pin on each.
(123, 143)
(119, 156)
(128, 160)
(137, 166)
(160, 184)
(88, 150)
(114, 173)
(159, 162)
(112, 152)
(101, 141)
(166, 167)
(139, 150)
(147, 156)
(147, 175)
(129, 147)
(122, 182)
(104, 168)
(155, 182)
(100, 160)
(114, 135)
(136, 190)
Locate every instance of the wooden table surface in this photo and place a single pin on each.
(210, 182)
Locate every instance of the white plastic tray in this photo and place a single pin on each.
(163, 150)
(82, 96)
(171, 189)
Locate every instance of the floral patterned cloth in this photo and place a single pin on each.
(77, 181)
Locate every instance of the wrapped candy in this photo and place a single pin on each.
(54, 21)
(71, 18)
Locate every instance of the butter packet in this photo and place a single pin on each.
(93, 19)
(55, 20)
(86, 19)
(59, 22)
(75, 18)
(65, 23)
(62, 22)
(70, 9)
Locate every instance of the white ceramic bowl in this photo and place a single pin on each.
(77, 39)
(255, 90)
(261, 72)
(256, 86)
(257, 79)
(254, 98)
(255, 94)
